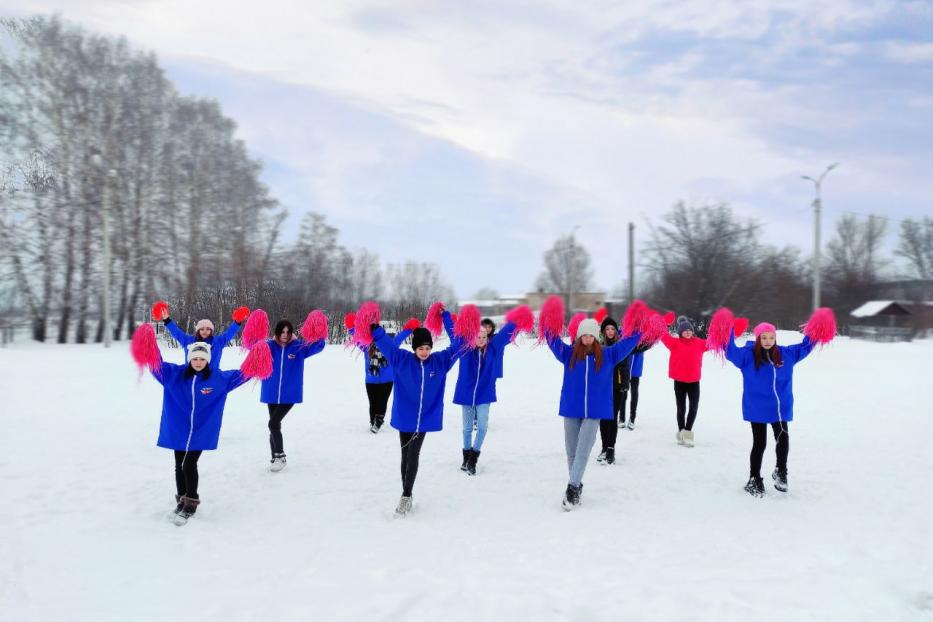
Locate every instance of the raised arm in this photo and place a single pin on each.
(502, 338)
(802, 350)
(401, 336)
(183, 338)
(387, 345)
(224, 338)
(734, 353)
(619, 350)
(562, 352)
(669, 341)
(310, 349)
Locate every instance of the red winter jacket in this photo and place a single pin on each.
(686, 357)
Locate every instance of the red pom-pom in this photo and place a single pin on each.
(574, 324)
(669, 318)
(258, 363)
(551, 319)
(412, 324)
(434, 321)
(256, 329)
(349, 320)
(240, 314)
(158, 308)
(653, 329)
(145, 350)
(720, 331)
(740, 326)
(367, 314)
(821, 327)
(467, 325)
(315, 327)
(523, 319)
(600, 315)
(635, 318)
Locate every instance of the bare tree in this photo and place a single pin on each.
(916, 246)
(566, 269)
(853, 262)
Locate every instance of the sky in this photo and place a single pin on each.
(473, 134)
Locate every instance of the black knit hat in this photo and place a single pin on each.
(421, 336)
(608, 321)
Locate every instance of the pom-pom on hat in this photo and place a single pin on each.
(421, 336)
(204, 324)
(199, 350)
(588, 327)
(764, 327)
(683, 323)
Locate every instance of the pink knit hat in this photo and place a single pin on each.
(204, 324)
(764, 327)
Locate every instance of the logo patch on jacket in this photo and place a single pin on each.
(291, 356)
(431, 374)
(207, 390)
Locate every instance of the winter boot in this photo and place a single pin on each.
(404, 506)
(571, 497)
(755, 487)
(278, 463)
(179, 504)
(471, 463)
(380, 419)
(680, 437)
(466, 459)
(688, 438)
(601, 458)
(780, 479)
(611, 455)
(189, 507)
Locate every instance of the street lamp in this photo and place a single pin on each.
(817, 206)
(572, 267)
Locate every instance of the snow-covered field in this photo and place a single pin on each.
(666, 534)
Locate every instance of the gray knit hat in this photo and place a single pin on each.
(684, 324)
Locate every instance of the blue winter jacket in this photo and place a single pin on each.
(418, 405)
(476, 381)
(193, 408)
(286, 384)
(587, 393)
(638, 363)
(384, 375)
(767, 392)
(218, 342)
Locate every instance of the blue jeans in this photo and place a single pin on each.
(481, 413)
(579, 438)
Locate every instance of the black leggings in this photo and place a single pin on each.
(186, 473)
(609, 428)
(277, 412)
(411, 450)
(683, 390)
(760, 441)
(633, 389)
(378, 394)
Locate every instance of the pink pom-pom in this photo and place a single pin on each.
(256, 329)
(258, 363)
(434, 321)
(574, 324)
(467, 326)
(523, 319)
(653, 329)
(145, 350)
(720, 331)
(821, 327)
(600, 315)
(635, 317)
(551, 319)
(315, 327)
(367, 315)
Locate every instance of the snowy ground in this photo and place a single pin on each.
(666, 534)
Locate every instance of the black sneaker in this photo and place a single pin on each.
(611, 455)
(755, 487)
(571, 497)
(601, 458)
(466, 459)
(780, 479)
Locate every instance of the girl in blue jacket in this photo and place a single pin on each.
(767, 397)
(418, 406)
(193, 399)
(284, 388)
(204, 332)
(586, 396)
(480, 367)
(379, 379)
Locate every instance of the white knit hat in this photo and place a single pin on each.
(204, 324)
(589, 326)
(199, 350)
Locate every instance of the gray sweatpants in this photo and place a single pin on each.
(579, 438)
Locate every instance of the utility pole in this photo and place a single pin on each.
(817, 207)
(631, 262)
(573, 267)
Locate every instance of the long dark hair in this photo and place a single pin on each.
(579, 353)
(763, 356)
(283, 324)
(205, 373)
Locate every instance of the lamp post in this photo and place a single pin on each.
(817, 206)
(572, 267)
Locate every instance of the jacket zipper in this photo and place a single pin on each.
(281, 373)
(774, 388)
(191, 417)
(479, 367)
(586, 389)
(420, 401)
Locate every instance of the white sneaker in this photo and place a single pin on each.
(631, 425)
(278, 463)
(601, 458)
(404, 506)
(621, 424)
(680, 437)
(688, 438)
